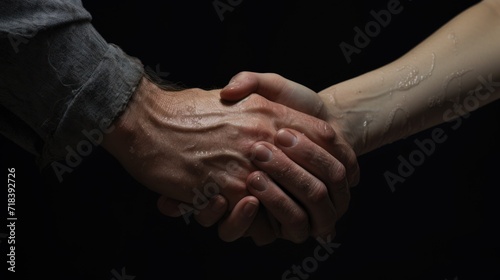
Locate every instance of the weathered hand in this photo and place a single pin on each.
(320, 163)
(304, 160)
(190, 146)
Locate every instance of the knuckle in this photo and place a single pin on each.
(243, 74)
(320, 158)
(261, 106)
(337, 173)
(262, 134)
(326, 132)
(317, 193)
(258, 101)
(254, 135)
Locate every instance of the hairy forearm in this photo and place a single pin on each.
(454, 71)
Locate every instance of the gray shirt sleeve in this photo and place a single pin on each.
(61, 83)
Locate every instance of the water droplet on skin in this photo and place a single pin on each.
(366, 125)
(432, 101)
(233, 134)
(188, 115)
(392, 116)
(333, 100)
(191, 147)
(453, 37)
(413, 77)
(201, 153)
(382, 77)
(368, 120)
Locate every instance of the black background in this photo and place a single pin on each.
(441, 223)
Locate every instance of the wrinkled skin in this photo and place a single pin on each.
(187, 144)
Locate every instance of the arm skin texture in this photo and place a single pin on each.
(454, 71)
(447, 75)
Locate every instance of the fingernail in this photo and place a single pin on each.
(250, 209)
(217, 203)
(259, 184)
(286, 138)
(234, 83)
(262, 153)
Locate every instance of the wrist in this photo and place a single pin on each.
(345, 119)
(126, 124)
(367, 111)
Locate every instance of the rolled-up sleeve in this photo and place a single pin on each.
(58, 77)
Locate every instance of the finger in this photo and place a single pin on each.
(323, 135)
(239, 220)
(214, 211)
(169, 207)
(343, 152)
(296, 96)
(261, 231)
(319, 163)
(292, 218)
(275, 88)
(206, 217)
(303, 186)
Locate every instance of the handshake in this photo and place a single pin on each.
(268, 158)
(264, 157)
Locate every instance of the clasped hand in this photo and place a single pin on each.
(265, 165)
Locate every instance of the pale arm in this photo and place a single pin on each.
(454, 71)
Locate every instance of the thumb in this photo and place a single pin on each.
(274, 88)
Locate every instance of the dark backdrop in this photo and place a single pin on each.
(441, 223)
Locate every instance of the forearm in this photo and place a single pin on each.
(59, 77)
(448, 74)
